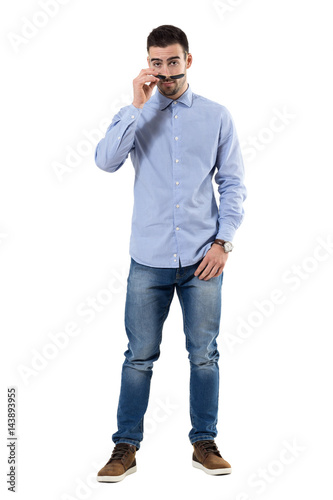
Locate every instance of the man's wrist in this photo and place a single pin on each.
(137, 105)
(226, 245)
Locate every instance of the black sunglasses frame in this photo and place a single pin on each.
(173, 77)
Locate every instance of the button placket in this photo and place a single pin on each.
(176, 161)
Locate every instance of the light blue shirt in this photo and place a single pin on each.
(176, 146)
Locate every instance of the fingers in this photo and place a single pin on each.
(208, 269)
(145, 78)
(143, 86)
(141, 80)
(214, 272)
(200, 268)
(152, 85)
(149, 71)
(148, 79)
(147, 75)
(210, 272)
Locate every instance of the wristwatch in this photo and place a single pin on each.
(227, 245)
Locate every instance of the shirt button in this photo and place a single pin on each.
(177, 183)
(119, 137)
(174, 260)
(132, 116)
(177, 161)
(177, 228)
(176, 138)
(174, 102)
(177, 206)
(176, 116)
(175, 255)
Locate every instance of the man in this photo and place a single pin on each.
(179, 240)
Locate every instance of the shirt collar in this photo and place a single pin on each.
(163, 101)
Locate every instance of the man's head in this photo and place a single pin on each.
(168, 53)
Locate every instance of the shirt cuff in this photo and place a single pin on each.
(133, 112)
(226, 232)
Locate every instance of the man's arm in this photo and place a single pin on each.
(230, 180)
(112, 151)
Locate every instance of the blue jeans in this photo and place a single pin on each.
(149, 294)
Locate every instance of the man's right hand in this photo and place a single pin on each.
(142, 91)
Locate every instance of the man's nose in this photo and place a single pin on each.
(165, 71)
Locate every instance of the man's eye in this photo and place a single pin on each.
(174, 63)
(156, 64)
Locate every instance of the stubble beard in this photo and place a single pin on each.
(174, 90)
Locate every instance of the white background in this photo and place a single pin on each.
(64, 239)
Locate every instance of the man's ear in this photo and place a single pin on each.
(189, 61)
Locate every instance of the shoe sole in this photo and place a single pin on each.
(212, 472)
(116, 479)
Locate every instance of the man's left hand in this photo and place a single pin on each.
(213, 263)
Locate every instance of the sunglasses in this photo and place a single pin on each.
(173, 77)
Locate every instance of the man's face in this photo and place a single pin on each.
(170, 61)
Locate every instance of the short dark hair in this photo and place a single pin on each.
(167, 35)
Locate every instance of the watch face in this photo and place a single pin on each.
(228, 246)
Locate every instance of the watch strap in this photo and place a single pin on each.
(219, 242)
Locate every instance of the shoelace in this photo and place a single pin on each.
(119, 452)
(209, 447)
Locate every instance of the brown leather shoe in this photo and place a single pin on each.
(207, 457)
(121, 464)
